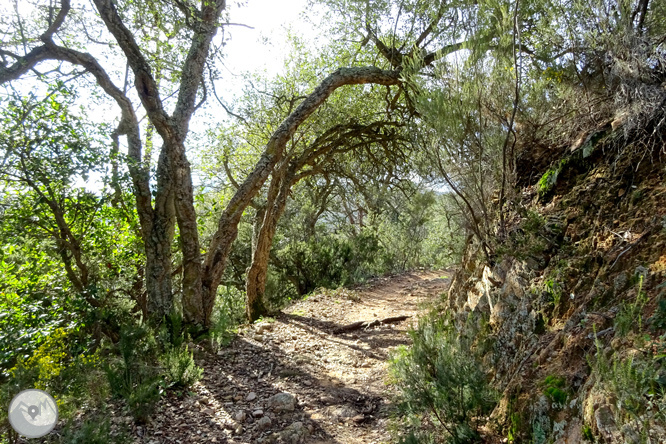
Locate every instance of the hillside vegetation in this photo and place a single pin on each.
(149, 223)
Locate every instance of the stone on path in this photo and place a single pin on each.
(282, 402)
(264, 423)
(295, 433)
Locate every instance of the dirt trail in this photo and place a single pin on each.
(336, 381)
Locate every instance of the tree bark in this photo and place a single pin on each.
(157, 244)
(255, 282)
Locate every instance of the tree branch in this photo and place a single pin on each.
(193, 67)
(55, 25)
(228, 223)
(143, 79)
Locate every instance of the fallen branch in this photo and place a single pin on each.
(367, 324)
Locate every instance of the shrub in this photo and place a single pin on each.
(630, 316)
(132, 377)
(54, 367)
(637, 384)
(93, 430)
(228, 314)
(587, 433)
(329, 261)
(74, 380)
(179, 367)
(442, 387)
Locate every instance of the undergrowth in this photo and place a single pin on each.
(443, 391)
(637, 386)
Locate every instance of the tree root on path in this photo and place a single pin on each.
(367, 324)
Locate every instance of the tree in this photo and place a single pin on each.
(70, 256)
(45, 149)
(173, 199)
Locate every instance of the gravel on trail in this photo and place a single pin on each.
(294, 380)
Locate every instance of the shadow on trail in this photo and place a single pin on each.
(270, 365)
(378, 339)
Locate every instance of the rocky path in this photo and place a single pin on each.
(293, 380)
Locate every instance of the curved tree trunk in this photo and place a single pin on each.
(227, 231)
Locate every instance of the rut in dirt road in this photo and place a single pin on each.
(295, 380)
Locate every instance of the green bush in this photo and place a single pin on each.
(515, 427)
(132, 377)
(442, 388)
(76, 381)
(329, 261)
(637, 384)
(93, 430)
(549, 179)
(179, 367)
(587, 433)
(228, 314)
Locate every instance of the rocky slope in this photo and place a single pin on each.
(569, 320)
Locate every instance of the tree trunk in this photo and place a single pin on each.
(157, 244)
(158, 277)
(255, 282)
(193, 309)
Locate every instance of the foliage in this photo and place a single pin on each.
(442, 388)
(630, 316)
(637, 384)
(93, 430)
(148, 362)
(229, 313)
(68, 253)
(527, 239)
(30, 308)
(133, 376)
(56, 365)
(61, 366)
(329, 260)
(515, 420)
(179, 367)
(587, 433)
(554, 291)
(549, 178)
(553, 388)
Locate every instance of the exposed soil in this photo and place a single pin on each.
(338, 380)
